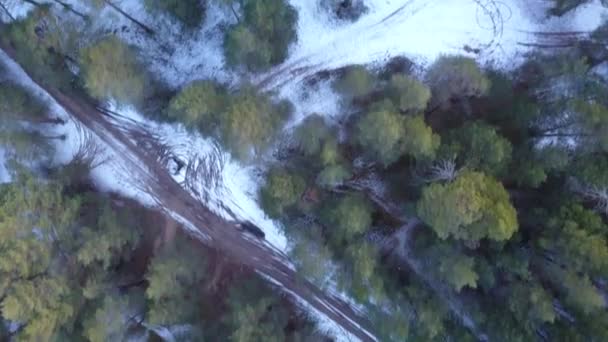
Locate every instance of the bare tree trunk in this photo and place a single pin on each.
(128, 16)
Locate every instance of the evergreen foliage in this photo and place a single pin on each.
(262, 36)
(111, 71)
(188, 12)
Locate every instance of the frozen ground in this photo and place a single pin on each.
(223, 184)
(110, 174)
(4, 175)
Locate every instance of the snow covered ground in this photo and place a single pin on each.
(110, 174)
(323, 324)
(232, 193)
(425, 29)
(4, 175)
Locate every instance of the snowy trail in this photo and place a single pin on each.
(210, 174)
(422, 30)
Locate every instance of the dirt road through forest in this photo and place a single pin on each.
(145, 168)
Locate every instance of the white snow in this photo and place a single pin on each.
(234, 196)
(17, 8)
(174, 56)
(111, 175)
(317, 98)
(324, 323)
(5, 177)
(424, 30)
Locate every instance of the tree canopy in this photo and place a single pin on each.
(111, 71)
(199, 105)
(245, 121)
(189, 12)
(43, 43)
(356, 81)
(457, 201)
(281, 191)
(386, 135)
(311, 134)
(477, 146)
(454, 77)
(173, 276)
(407, 93)
(471, 208)
(251, 121)
(20, 131)
(255, 314)
(347, 217)
(262, 36)
(40, 227)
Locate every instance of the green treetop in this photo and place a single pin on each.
(347, 217)
(262, 36)
(408, 94)
(281, 191)
(471, 208)
(577, 236)
(454, 77)
(386, 136)
(250, 122)
(311, 134)
(255, 314)
(174, 276)
(199, 105)
(478, 146)
(355, 82)
(43, 44)
(189, 12)
(110, 70)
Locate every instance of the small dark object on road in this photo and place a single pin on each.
(252, 229)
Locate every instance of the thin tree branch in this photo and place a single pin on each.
(146, 28)
(70, 8)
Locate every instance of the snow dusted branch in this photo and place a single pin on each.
(442, 170)
(596, 194)
(599, 196)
